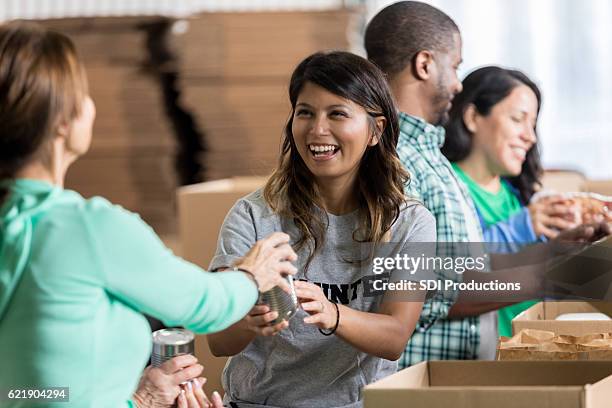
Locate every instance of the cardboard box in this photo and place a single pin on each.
(603, 187)
(541, 316)
(499, 384)
(201, 209)
(251, 47)
(568, 181)
(563, 181)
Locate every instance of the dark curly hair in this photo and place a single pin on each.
(484, 88)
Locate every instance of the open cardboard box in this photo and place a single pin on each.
(202, 208)
(499, 384)
(542, 315)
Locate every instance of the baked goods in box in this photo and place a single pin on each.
(588, 207)
(593, 207)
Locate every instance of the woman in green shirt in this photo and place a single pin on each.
(491, 141)
(76, 274)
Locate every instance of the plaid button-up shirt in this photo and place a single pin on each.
(433, 182)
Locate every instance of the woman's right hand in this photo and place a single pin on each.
(269, 260)
(259, 318)
(550, 215)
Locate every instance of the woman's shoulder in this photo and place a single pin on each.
(71, 203)
(90, 218)
(415, 210)
(98, 206)
(99, 211)
(416, 219)
(252, 217)
(255, 204)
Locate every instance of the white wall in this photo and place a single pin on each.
(565, 46)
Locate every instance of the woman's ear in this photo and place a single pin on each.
(470, 118)
(63, 130)
(380, 123)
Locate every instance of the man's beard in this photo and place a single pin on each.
(441, 118)
(440, 102)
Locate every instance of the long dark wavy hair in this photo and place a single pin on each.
(291, 190)
(484, 88)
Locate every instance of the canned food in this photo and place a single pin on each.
(169, 343)
(280, 301)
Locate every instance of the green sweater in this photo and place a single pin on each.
(75, 276)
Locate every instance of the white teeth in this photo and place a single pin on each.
(325, 148)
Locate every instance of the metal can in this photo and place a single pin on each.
(169, 343)
(280, 301)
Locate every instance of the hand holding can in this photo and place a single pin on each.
(270, 262)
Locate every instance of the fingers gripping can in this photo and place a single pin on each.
(168, 343)
(280, 301)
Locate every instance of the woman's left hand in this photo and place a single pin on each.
(322, 312)
(549, 215)
(160, 386)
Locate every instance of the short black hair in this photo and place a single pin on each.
(400, 31)
(484, 88)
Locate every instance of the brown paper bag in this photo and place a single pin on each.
(531, 344)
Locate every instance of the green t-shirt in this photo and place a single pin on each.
(493, 207)
(496, 207)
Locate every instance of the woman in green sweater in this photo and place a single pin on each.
(76, 274)
(491, 141)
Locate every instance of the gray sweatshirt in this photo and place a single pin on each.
(300, 367)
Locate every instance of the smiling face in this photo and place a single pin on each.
(331, 134)
(506, 134)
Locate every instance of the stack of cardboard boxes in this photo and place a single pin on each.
(131, 157)
(235, 70)
(233, 73)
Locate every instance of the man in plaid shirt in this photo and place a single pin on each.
(419, 48)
